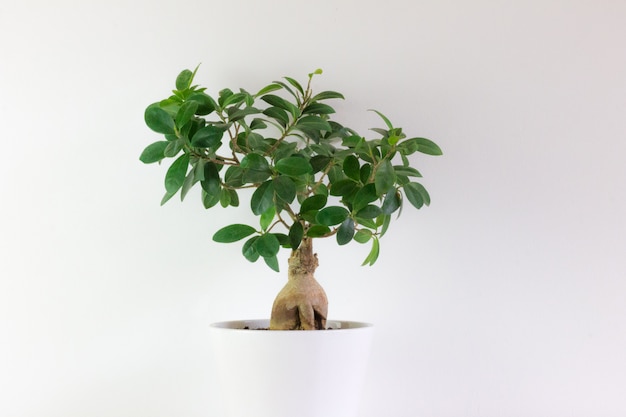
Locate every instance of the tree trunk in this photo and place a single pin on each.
(302, 303)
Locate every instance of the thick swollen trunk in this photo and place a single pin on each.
(302, 303)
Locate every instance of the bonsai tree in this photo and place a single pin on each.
(311, 177)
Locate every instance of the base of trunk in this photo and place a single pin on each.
(302, 303)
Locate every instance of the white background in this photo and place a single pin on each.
(506, 297)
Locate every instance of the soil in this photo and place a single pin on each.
(267, 328)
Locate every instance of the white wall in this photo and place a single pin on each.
(504, 298)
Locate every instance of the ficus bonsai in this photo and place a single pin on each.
(311, 177)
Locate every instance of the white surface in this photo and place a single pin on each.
(510, 286)
(290, 373)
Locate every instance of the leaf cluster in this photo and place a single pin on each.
(311, 176)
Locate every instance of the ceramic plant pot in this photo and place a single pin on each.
(265, 373)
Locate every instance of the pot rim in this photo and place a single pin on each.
(255, 324)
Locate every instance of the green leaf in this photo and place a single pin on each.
(184, 80)
(256, 169)
(321, 189)
(235, 114)
(405, 160)
(170, 105)
(257, 124)
(159, 120)
(386, 222)
(369, 212)
(233, 233)
(295, 84)
(206, 104)
(154, 152)
(324, 148)
(318, 230)
(249, 249)
(283, 104)
(368, 223)
(283, 239)
(255, 162)
(272, 262)
(223, 96)
(392, 202)
(280, 102)
(330, 216)
(366, 171)
(345, 233)
(373, 255)
(364, 196)
(352, 167)
(210, 200)
(313, 123)
(382, 116)
(286, 87)
(185, 113)
(296, 233)
(255, 176)
(267, 245)
(249, 100)
(417, 194)
(343, 187)
(319, 162)
(406, 171)
(363, 235)
(225, 197)
(318, 108)
(277, 114)
(207, 137)
(325, 95)
(176, 174)
(315, 202)
(211, 182)
(198, 167)
(284, 149)
(262, 198)
(428, 147)
(392, 140)
(234, 198)
(233, 176)
(173, 148)
(190, 180)
(268, 89)
(234, 99)
(285, 188)
(294, 166)
(267, 217)
(384, 133)
(385, 177)
(251, 176)
(422, 145)
(353, 141)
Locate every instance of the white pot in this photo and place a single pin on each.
(299, 373)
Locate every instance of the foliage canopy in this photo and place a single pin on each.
(312, 177)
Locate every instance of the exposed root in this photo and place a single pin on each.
(302, 303)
